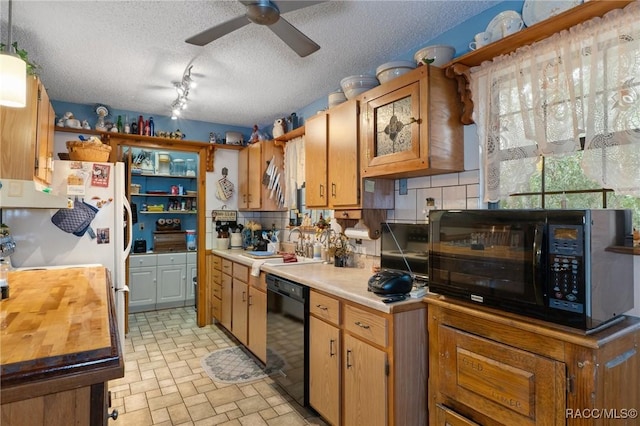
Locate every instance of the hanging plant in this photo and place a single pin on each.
(32, 67)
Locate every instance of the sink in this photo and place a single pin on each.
(278, 261)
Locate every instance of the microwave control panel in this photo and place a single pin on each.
(566, 268)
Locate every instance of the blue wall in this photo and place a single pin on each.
(192, 129)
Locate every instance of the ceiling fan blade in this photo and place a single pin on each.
(299, 42)
(214, 33)
(288, 6)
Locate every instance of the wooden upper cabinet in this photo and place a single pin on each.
(45, 137)
(344, 182)
(253, 163)
(331, 157)
(316, 170)
(249, 180)
(410, 126)
(18, 133)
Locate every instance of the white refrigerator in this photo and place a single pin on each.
(100, 190)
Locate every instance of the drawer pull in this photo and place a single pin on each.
(113, 415)
(322, 307)
(359, 324)
(250, 300)
(331, 352)
(244, 296)
(348, 358)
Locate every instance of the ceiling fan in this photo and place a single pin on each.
(264, 12)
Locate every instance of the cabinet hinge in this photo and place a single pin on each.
(571, 384)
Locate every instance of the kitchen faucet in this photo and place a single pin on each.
(299, 243)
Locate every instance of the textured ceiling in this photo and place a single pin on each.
(127, 54)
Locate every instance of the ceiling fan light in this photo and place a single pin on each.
(13, 81)
(263, 12)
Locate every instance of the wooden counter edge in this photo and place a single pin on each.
(545, 328)
(109, 369)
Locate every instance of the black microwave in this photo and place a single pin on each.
(553, 265)
(404, 247)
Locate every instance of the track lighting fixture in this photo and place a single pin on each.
(182, 88)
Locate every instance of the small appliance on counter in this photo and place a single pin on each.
(554, 265)
(404, 247)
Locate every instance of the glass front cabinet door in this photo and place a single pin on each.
(404, 120)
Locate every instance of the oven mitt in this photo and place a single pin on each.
(76, 220)
(91, 213)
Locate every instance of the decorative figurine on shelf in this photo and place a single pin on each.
(279, 127)
(85, 125)
(254, 135)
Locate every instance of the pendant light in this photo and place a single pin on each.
(13, 75)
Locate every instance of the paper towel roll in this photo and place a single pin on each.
(358, 234)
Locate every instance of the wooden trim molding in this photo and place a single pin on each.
(462, 74)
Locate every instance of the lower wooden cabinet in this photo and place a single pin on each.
(493, 368)
(214, 286)
(324, 376)
(365, 383)
(367, 367)
(257, 307)
(226, 300)
(240, 311)
(242, 301)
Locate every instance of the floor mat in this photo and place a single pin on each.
(235, 365)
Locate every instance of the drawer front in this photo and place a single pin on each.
(172, 259)
(241, 272)
(216, 289)
(325, 307)
(505, 383)
(227, 266)
(217, 262)
(366, 325)
(216, 306)
(216, 276)
(447, 417)
(137, 261)
(192, 257)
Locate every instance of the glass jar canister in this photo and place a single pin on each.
(179, 167)
(190, 167)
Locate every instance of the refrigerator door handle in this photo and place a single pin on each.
(127, 208)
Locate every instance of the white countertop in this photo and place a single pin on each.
(346, 283)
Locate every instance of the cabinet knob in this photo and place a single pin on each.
(113, 415)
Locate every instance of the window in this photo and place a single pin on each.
(563, 116)
(559, 182)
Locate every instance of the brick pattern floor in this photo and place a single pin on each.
(164, 383)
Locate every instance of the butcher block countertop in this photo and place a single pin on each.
(60, 325)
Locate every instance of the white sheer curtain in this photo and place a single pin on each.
(539, 100)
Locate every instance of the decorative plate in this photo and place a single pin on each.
(495, 27)
(534, 11)
(102, 110)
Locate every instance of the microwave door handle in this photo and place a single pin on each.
(537, 264)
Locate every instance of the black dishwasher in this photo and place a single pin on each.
(287, 336)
